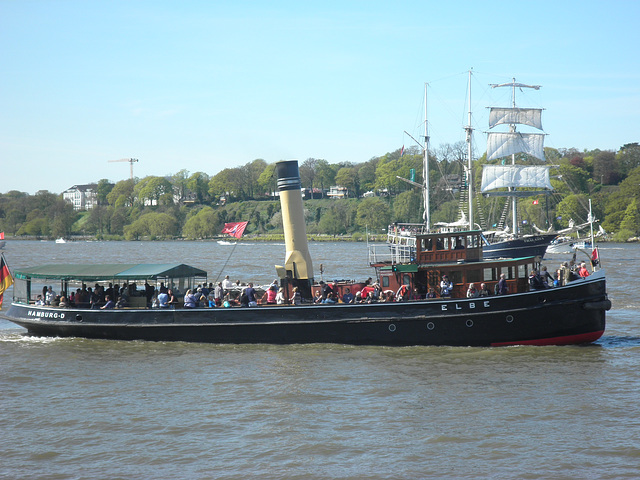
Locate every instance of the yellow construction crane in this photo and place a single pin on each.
(130, 160)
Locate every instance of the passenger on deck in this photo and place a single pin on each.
(123, 301)
(251, 295)
(296, 298)
(484, 291)
(109, 305)
(218, 293)
(201, 299)
(39, 300)
(348, 297)
(402, 295)
(172, 299)
(189, 299)
(317, 298)
(326, 290)
(331, 298)
(535, 282)
(501, 287)
(445, 287)
(431, 293)
(244, 298)
(227, 284)
(472, 291)
(582, 270)
(546, 277)
(415, 295)
(269, 296)
(50, 296)
(163, 299)
(280, 299)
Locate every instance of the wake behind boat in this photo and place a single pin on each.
(569, 314)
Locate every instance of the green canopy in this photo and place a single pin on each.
(97, 272)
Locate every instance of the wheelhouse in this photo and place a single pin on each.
(455, 254)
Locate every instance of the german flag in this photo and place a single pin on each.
(6, 280)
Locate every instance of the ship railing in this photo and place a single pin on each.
(404, 233)
(391, 254)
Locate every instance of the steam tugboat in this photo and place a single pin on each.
(570, 314)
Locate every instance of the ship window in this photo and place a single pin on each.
(522, 271)
(427, 244)
(459, 242)
(489, 274)
(406, 279)
(385, 281)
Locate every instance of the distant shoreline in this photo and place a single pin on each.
(248, 238)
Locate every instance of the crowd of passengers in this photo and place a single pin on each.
(229, 294)
(113, 296)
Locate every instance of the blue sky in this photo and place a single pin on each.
(205, 85)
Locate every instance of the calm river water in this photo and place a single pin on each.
(93, 409)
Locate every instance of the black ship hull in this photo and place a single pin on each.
(567, 315)
(533, 246)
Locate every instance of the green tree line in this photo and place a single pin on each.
(196, 205)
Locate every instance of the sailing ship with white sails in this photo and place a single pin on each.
(516, 181)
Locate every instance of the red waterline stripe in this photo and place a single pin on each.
(566, 340)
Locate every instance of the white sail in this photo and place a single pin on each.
(511, 116)
(515, 176)
(503, 144)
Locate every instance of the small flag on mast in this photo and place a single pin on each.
(6, 280)
(235, 229)
(402, 151)
(535, 202)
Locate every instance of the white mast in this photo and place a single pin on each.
(469, 130)
(425, 168)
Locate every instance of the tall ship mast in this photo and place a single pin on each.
(515, 180)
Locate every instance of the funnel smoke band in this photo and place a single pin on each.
(288, 175)
(289, 183)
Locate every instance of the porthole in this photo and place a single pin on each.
(430, 326)
(509, 318)
(79, 317)
(392, 328)
(469, 323)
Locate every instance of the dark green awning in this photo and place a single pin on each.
(97, 272)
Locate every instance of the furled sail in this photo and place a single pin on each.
(522, 116)
(503, 144)
(515, 176)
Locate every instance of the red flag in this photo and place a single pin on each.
(595, 257)
(235, 229)
(1, 235)
(402, 151)
(535, 202)
(6, 280)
